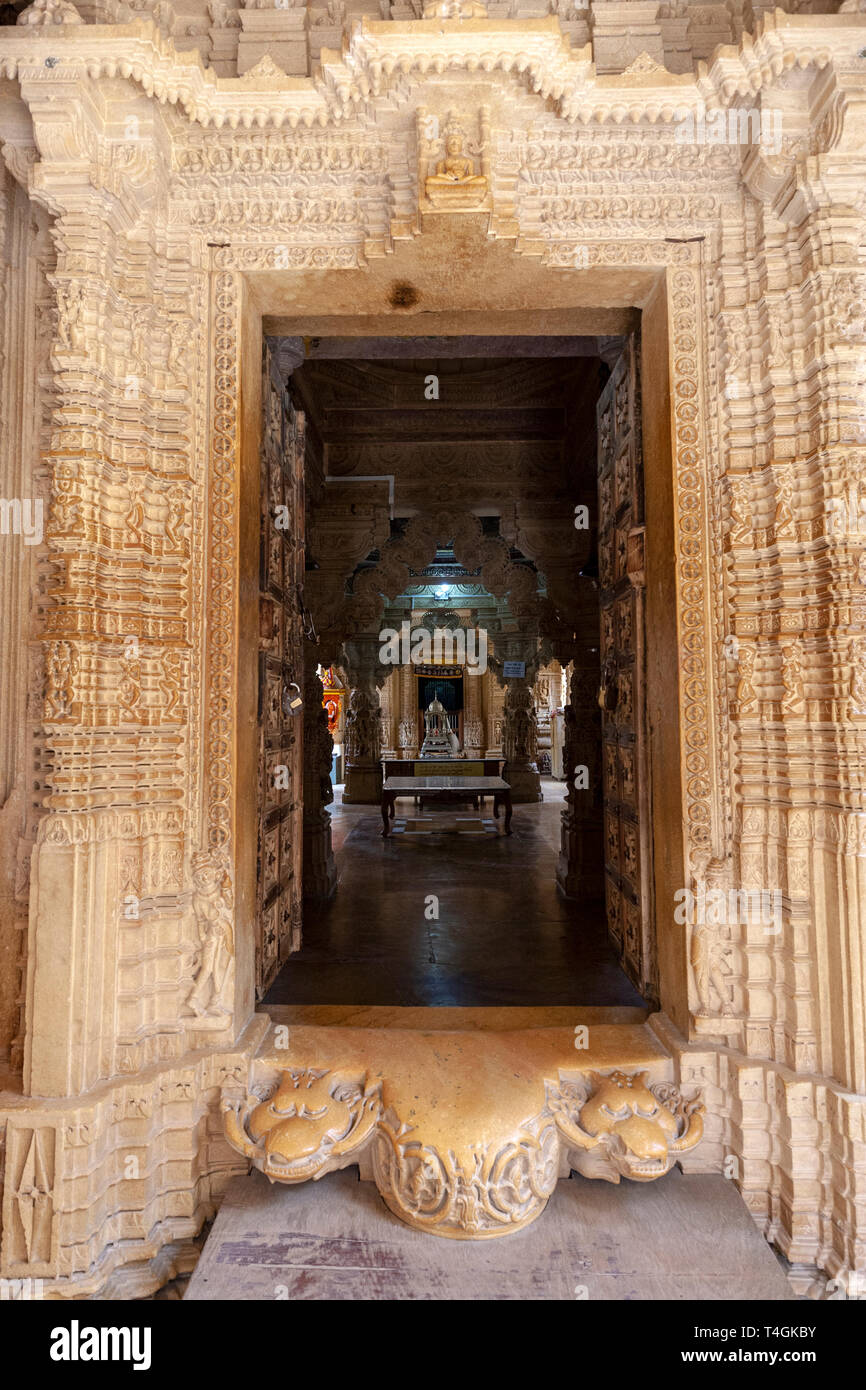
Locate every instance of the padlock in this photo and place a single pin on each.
(292, 704)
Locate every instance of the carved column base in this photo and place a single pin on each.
(464, 1133)
(363, 785)
(524, 780)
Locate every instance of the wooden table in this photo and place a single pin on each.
(443, 789)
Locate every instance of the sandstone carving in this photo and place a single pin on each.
(149, 195)
(315, 1119)
(212, 913)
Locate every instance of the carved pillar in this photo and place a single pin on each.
(542, 709)
(580, 870)
(494, 697)
(407, 733)
(320, 870)
(520, 741)
(117, 630)
(25, 403)
(386, 714)
(473, 727)
(363, 729)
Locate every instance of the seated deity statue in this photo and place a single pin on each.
(455, 182)
(456, 167)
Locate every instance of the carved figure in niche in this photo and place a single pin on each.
(139, 328)
(792, 679)
(407, 734)
(473, 731)
(62, 668)
(456, 167)
(180, 335)
(783, 520)
(521, 724)
(858, 677)
(70, 322)
(174, 518)
(746, 695)
(129, 689)
(213, 919)
(362, 727)
(455, 182)
(711, 967)
(134, 518)
(741, 512)
(170, 679)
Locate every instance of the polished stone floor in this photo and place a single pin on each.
(503, 936)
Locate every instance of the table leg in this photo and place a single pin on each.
(503, 799)
(388, 799)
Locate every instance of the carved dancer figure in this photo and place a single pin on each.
(740, 513)
(711, 969)
(170, 680)
(783, 520)
(746, 695)
(792, 679)
(858, 677)
(216, 938)
(61, 672)
(70, 322)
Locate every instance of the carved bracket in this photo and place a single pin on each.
(308, 1121)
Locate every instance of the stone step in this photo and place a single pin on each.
(685, 1237)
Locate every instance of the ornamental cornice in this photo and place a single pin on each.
(382, 55)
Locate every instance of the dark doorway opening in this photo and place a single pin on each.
(463, 918)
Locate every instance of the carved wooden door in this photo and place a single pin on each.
(627, 838)
(280, 793)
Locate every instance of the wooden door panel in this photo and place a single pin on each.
(281, 571)
(628, 880)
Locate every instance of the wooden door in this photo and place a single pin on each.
(280, 798)
(627, 841)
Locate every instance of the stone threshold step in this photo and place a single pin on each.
(465, 1131)
(683, 1238)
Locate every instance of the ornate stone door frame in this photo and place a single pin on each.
(748, 269)
(685, 810)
